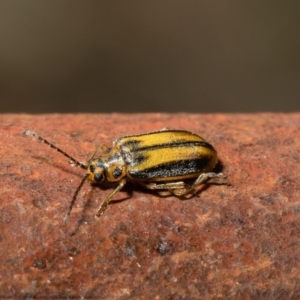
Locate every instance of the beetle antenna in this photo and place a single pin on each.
(74, 161)
(74, 198)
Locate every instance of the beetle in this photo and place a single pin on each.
(158, 160)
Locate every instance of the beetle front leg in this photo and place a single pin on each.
(102, 147)
(105, 203)
(202, 177)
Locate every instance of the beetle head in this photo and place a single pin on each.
(96, 171)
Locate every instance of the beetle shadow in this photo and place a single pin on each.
(112, 186)
(90, 199)
(219, 167)
(166, 194)
(58, 166)
(128, 189)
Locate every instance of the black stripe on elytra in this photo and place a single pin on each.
(172, 169)
(131, 143)
(174, 145)
(132, 158)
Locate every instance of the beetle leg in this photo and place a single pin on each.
(105, 203)
(202, 177)
(164, 186)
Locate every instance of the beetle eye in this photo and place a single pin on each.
(98, 177)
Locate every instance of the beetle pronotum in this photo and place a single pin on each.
(158, 160)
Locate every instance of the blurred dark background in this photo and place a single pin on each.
(137, 56)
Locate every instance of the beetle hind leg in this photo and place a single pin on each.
(164, 186)
(176, 188)
(180, 188)
(191, 189)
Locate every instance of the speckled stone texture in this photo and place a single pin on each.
(237, 241)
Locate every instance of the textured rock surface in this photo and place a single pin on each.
(228, 242)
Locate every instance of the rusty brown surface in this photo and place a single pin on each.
(228, 242)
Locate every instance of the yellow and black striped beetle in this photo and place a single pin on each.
(158, 160)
